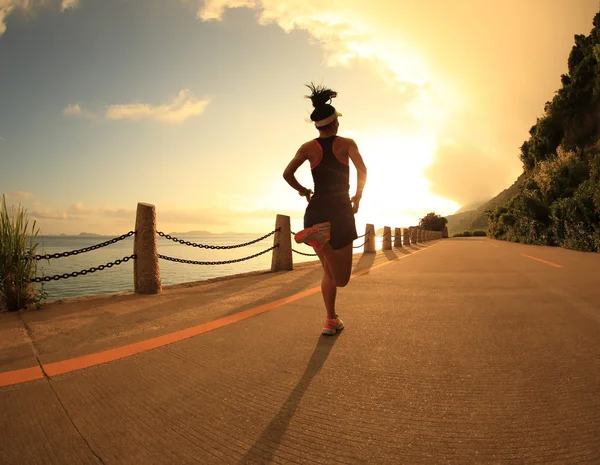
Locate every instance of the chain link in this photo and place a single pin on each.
(359, 246)
(305, 254)
(215, 247)
(84, 250)
(82, 272)
(224, 262)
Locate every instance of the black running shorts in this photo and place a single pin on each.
(338, 211)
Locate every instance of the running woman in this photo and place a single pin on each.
(329, 218)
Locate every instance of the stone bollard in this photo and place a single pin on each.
(419, 234)
(405, 236)
(387, 238)
(413, 234)
(370, 239)
(397, 237)
(146, 272)
(282, 254)
(445, 232)
(426, 235)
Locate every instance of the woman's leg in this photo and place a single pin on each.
(328, 288)
(339, 263)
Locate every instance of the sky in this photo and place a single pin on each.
(197, 106)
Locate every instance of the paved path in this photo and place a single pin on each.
(467, 351)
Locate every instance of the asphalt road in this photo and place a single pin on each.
(459, 351)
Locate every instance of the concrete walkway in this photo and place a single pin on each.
(460, 351)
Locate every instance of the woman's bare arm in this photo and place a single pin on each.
(290, 170)
(361, 172)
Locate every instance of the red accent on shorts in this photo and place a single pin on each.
(321, 149)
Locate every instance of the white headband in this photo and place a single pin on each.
(329, 119)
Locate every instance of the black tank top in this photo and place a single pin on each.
(330, 175)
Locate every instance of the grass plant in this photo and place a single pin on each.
(18, 247)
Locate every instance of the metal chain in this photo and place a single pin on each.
(224, 262)
(305, 254)
(215, 247)
(86, 249)
(82, 272)
(359, 246)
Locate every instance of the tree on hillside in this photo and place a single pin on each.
(433, 222)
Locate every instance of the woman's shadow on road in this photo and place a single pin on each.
(266, 445)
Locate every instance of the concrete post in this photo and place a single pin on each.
(387, 238)
(405, 236)
(146, 272)
(370, 239)
(419, 234)
(397, 237)
(413, 234)
(445, 232)
(282, 255)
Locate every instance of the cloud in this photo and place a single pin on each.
(353, 32)
(40, 212)
(76, 111)
(79, 209)
(465, 174)
(66, 4)
(7, 7)
(342, 28)
(214, 9)
(18, 195)
(184, 106)
(123, 213)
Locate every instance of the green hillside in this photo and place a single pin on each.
(478, 218)
(558, 199)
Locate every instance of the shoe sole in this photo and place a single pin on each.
(327, 333)
(302, 236)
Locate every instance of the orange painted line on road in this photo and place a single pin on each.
(543, 261)
(99, 358)
(86, 361)
(20, 376)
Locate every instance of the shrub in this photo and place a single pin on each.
(467, 234)
(576, 220)
(458, 235)
(17, 262)
(480, 233)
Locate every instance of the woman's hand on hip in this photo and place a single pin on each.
(355, 202)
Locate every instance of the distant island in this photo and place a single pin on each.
(208, 233)
(189, 233)
(88, 234)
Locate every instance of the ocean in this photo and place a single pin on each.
(119, 278)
